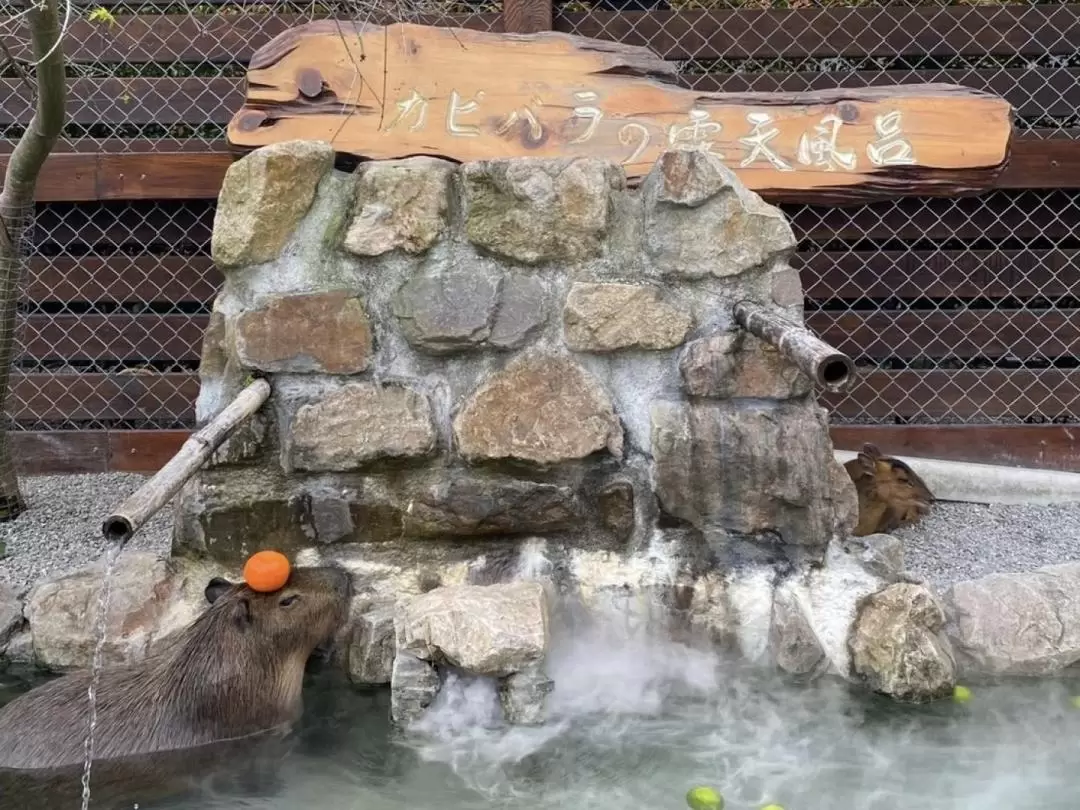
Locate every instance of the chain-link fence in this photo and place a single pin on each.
(957, 310)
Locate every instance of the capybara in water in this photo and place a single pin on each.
(891, 495)
(236, 671)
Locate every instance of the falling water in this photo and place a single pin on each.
(100, 630)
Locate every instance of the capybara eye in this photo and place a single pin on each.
(288, 600)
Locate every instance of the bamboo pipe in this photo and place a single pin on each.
(829, 368)
(147, 500)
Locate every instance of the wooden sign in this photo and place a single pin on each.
(389, 92)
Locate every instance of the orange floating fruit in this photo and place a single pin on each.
(266, 571)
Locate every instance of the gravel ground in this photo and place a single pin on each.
(61, 531)
(958, 541)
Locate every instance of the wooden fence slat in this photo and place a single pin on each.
(103, 228)
(997, 215)
(965, 394)
(898, 30)
(123, 338)
(963, 333)
(204, 38)
(193, 100)
(120, 278)
(81, 397)
(1033, 93)
(196, 171)
(1050, 447)
(939, 273)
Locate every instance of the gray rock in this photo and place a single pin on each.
(152, 599)
(536, 210)
(357, 424)
(322, 332)
(1025, 624)
(448, 310)
(221, 378)
(371, 646)
(19, 649)
(263, 197)
(542, 408)
(608, 317)
(880, 554)
(331, 519)
(523, 696)
(786, 288)
(897, 645)
(11, 613)
(523, 309)
(228, 517)
(738, 364)
(414, 685)
(701, 220)
(483, 629)
(793, 644)
(748, 468)
(399, 204)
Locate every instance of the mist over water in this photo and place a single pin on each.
(635, 722)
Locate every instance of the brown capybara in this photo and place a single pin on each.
(891, 495)
(235, 672)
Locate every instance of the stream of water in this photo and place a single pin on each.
(100, 630)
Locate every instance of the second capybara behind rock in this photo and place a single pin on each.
(891, 495)
(236, 671)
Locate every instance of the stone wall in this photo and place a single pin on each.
(502, 350)
(512, 370)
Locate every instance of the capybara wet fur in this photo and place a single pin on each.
(235, 672)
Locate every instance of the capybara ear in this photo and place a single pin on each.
(216, 588)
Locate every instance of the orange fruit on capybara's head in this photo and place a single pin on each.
(266, 571)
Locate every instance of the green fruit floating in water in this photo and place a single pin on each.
(961, 694)
(704, 798)
(772, 807)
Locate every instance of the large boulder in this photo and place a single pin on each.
(543, 408)
(898, 647)
(263, 197)
(608, 317)
(399, 204)
(493, 630)
(752, 469)
(151, 600)
(700, 220)
(537, 210)
(1017, 624)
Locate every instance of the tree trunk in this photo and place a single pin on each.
(17, 209)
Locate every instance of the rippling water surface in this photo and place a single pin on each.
(636, 725)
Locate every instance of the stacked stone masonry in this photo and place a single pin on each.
(504, 349)
(469, 362)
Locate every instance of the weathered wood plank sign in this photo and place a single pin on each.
(388, 92)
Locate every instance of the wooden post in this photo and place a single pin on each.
(526, 16)
(823, 364)
(147, 500)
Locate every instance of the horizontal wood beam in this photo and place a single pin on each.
(1050, 447)
(197, 173)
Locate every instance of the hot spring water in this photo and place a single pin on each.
(635, 724)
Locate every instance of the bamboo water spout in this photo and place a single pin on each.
(147, 500)
(823, 364)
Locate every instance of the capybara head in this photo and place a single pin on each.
(891, 494)
(292, 621)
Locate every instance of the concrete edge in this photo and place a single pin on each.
(989, 483)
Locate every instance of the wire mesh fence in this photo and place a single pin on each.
(956, 310)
